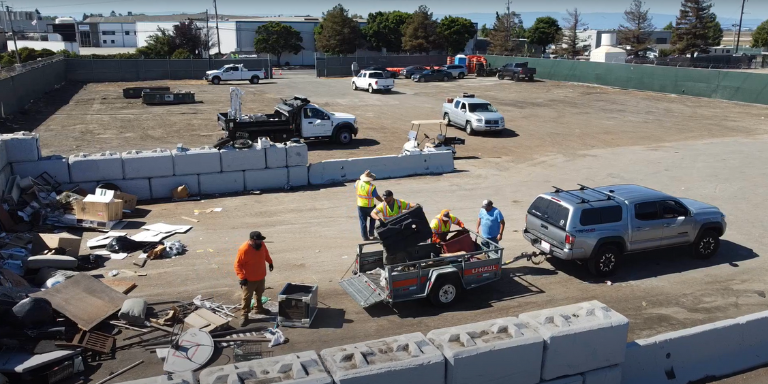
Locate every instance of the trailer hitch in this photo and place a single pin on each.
(529, 256)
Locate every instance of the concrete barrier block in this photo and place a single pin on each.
(89, 186)
(56, 166)
(162, 187)
(579, 337)
(610, 375)
(440, 162)
(147, 164)
(329, 172)
(224, 182)
(496, 351)
(296, 368)
(408, 358)
(243, 159)
(196, 161)
(296, 154)
(298, 176)
(276, 156)
(577, 379)
(138, 187)
(266, 179)
(21, 147)
(100, 166)
(168, 378)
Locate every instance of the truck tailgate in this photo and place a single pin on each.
(362, 290)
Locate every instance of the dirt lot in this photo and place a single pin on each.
(563, 134)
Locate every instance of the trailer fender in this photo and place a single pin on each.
(436, 274)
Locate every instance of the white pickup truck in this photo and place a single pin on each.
(373, 81)
(235, 72)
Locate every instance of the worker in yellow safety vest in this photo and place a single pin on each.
(390, 208)
(366, 194)
(441, 225)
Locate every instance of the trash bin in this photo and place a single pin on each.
(297, 305)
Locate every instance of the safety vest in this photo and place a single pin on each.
(439, 226)
(365, 193)
(387, 214)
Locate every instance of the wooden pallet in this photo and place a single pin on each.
(99, 344)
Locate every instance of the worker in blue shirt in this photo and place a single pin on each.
(490, 222)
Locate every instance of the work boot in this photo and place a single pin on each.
(244, 320)
(263, 311)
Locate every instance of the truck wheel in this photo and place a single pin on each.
(706, 245)
(344, 136)
(603, 262)
(515, 77)
(447, 118)
(500, 76)
(461, 75)
(254, 80)
(445, 78)
(530, 78)
(216, 80)
(469, 129)
(421, 80)
(445, 291)
(370, 89)
(354, 86)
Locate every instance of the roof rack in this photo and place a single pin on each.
(582, 200)
(560, 190)
(607, 195)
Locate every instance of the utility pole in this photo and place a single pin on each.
(13, 34)
(218, 36)
(741, 17)
(509, 26)
(4, 16)
(207, 36)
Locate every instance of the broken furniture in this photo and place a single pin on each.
(49, 367)
(205, 320)
(403, 232)
(97, 343)
(297, 305)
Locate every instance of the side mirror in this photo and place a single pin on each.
(463, 111)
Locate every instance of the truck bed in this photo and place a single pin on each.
(277, 127)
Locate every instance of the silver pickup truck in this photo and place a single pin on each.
(472, 114)
(598, 225)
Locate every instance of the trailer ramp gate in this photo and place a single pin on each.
(360, 289)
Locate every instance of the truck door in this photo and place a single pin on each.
(315, 123)
(455, 111)
(231, 73)
(463, 114)
(646, 225)
(678, 225)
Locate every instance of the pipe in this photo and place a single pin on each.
(118, 373)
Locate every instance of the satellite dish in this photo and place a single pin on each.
(189, 352)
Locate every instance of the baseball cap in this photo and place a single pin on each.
(256, 235)
(388, 193)
(487, 203)
(446, 214)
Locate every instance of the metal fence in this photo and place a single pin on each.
(28, 83)
(104, 70)
(342, 66)
(24, 67)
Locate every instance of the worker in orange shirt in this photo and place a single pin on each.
(252, 271)
(441, 225)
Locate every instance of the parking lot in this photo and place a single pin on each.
(561, 134)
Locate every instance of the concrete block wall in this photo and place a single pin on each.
(162, 187)
(296, 154)
(385, 167)
(276, 156)
(196, 161)
(296, 368)
(146, 164)
(266, 179)
(100, 166)
(298, 176)
(138, 187)
(56, 166)
(21, 147)
(243, 159)
(223, 182)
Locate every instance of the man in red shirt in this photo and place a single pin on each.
(251, 271)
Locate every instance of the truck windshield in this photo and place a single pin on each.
(222, 68)
(481, 107)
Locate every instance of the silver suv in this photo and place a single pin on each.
(600, 224)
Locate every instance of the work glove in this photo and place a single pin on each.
(243, 282)
(271, 267)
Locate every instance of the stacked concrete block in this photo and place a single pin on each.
(138, 187)
(276, 156)
(329, 172)
(56, 166)
(579, 337)
(295, 368)
(298, 176)
(223, 182)
(491, 352)
(296, 154)
(196, 161)
(266, 179)
(168, 378)
(243, 159)
(408, 358)
(96, 167)
(162, 187)
(610, 375)
(21, 147)
(147, 164)
(440, 162)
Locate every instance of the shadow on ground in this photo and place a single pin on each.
(332, 146)
(41, 109)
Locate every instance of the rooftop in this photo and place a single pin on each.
(202, 16)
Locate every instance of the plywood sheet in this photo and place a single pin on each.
(84, 300)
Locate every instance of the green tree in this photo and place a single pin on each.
(27, 54)
(505, 29)
(45, 52)
(484, 31)
(714, 31)
(693, 27)
(455, 33)
(7, 60)
(574, 23)
(669, 27)
(188, 36)
(420, 32)
(158, 45)
(337, 34)
(637, 32)
(544, 31)
(181, 53)
(385, 30)
(760, 36)
(275, 38)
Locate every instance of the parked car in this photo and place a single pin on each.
(515, 71)
(599, 225)
(457, 70)
(387, 73)
(235, 72)
(432, 75)
(373, 81)
(473, 114)
(408, 72)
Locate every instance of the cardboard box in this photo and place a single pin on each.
(99, 208)
(129, 201)
(45, 241)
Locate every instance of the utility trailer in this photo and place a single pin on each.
(439, 277)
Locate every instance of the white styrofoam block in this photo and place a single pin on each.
(100, 166)
(138, 187)
(243, 159)
(496, 351)
(579, 337)
(298, 176)
(610, 375)
(56, 166)
(162, 187)
(21, 146)
(168, 378)
(266, 179)
(577, 379)
(408, 358)
(710, 350)
(196, 161)
(223, 182)
(276, 157)
(147, 164)
(295, 368)
(89, 186)
(296, 154)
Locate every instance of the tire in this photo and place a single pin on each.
(354, 86)
(343, 136)
(445, 291)
(254, 80)
(445, 78)
(222, 143)
(530, 78)
(706, 245)
(242, 144)
(216, 80)
(515, 77)
(422, 80)
(500, 76)
(447, 117)
(109, 187)
(603, 262)
(468, 128)
(461, 75)
(370, 89)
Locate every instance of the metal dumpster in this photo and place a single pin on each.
(135, 92)
(159, 98)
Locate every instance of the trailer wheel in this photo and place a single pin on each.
(445, 291)
(216, 80)
(344, 136)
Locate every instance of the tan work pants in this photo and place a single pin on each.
(253, 286)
